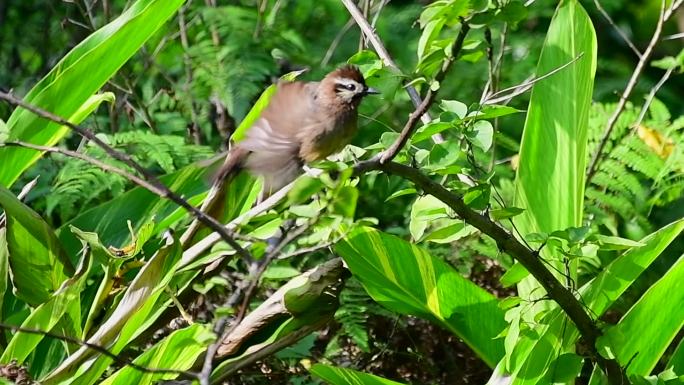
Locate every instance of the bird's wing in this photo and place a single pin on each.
(290, 110)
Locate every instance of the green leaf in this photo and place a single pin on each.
(129, 318)
(4, 266)
(454, 106)
(304, 188)
(641, 337)
(482, 134)
(565, 368)
(531, 358)
(82, 71)
(344, 202)
(402, 192)
(341, 376)
(4, 132)
(423, 211)
(505, 213)
(36, 260)
(45, 316)
(514, 275)
(451, 233)
(491, 112)
(430, 129)
(477, 197)
(178, 351)
(607, 242)
(406, 279)
(550, 175)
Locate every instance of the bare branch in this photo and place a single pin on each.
(524, 86)
(651, 96)
(159, 188)
(118, 359)
(665, 14)
(379, 47)
(617, 29)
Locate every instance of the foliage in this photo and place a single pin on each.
(426, 294)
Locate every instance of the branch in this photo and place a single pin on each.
(525, 86)
(159, 188)
(118, 359)
(509, 244)
(411, 123)
(617, 29)
(380, 49)
(665, 14)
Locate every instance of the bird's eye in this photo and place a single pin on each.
(350, 87)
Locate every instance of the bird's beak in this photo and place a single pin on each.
(370, 91)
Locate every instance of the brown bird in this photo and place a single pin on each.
(303, 122)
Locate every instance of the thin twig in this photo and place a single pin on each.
(524, 86)
(380, 49)
(651, 95)
(336, 41)
(158, 187)
(610, 125)
(617, 29)
(118, 359)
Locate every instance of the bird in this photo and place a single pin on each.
(303, 122)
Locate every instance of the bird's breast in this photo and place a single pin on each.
(328, 137)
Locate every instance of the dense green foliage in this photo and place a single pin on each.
(426, 295)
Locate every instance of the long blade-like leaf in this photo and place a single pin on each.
(76, 78)
(550, 178)
(656, 319)
(37, 262)
(341, 376)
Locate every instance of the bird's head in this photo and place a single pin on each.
(346, 86)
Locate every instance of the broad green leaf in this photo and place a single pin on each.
(423, 213)
(482, 134)
(82, 72)
(46, 315)
(491, 112)
(642, 335)
(341, 376)
(455, 107)
(611, 283)
(505, 213)
(406, 279)
(430, 129)
(36, 260)
(550, 176)
(178, 351)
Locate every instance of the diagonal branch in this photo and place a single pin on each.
(665, 14)
(369, 31)
(508, 243)
(158, 187)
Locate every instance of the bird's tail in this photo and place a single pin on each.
(214, 203)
